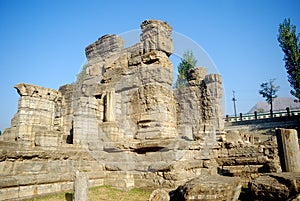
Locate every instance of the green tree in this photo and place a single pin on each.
(268, 91)
(290, 45)
(0, 132)
(187, 62)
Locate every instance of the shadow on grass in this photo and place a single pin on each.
(69, 196)
(245, 194)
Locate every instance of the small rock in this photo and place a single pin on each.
(159, 195)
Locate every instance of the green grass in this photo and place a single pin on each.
(104, 193)
(61, 196)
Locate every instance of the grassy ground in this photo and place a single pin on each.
(104, 193)
(107, 193)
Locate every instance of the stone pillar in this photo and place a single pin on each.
(227, 118)
(80, 187)
(110, 106)
(288, 149)
(34, 121)
(288, 111)
(213, 95)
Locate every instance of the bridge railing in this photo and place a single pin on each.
(263, 115)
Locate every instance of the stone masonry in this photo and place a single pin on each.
(36, 122)
(121, 123)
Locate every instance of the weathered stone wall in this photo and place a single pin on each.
(126, 91)
(247, 160)
(65, 112)
(123, 116)
(199, 109)
(28, 173)
(34, 123)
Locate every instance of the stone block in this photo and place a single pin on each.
(208, 187)
(66, 186)
(9, 181)
(9, 193)
(156, 35)
(279, 186)
(46, 139)
(96, 182)
(43, 189)
(28, 191)
(121, 180)
(105, 45)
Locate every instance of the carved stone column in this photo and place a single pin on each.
(288, 149)
(110, 106)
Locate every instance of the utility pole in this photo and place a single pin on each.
(234, 106)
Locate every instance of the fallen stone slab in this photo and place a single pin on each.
(208, 187)
(275, 186)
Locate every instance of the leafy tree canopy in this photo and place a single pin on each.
(187, 62)
(268, 91)
(290, 45)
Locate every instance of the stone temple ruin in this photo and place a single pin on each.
(124, 125)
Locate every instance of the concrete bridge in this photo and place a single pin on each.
(264, 115)
(281, 119)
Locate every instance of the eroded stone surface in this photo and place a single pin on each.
(156, 35)
(209, 187)
(124, 125)
(124, 113)
(246, 160)
(81, 187)
(159, 195)
(276, 186)
(289, 153)
(36, 123)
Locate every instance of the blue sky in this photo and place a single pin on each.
(43, 42)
